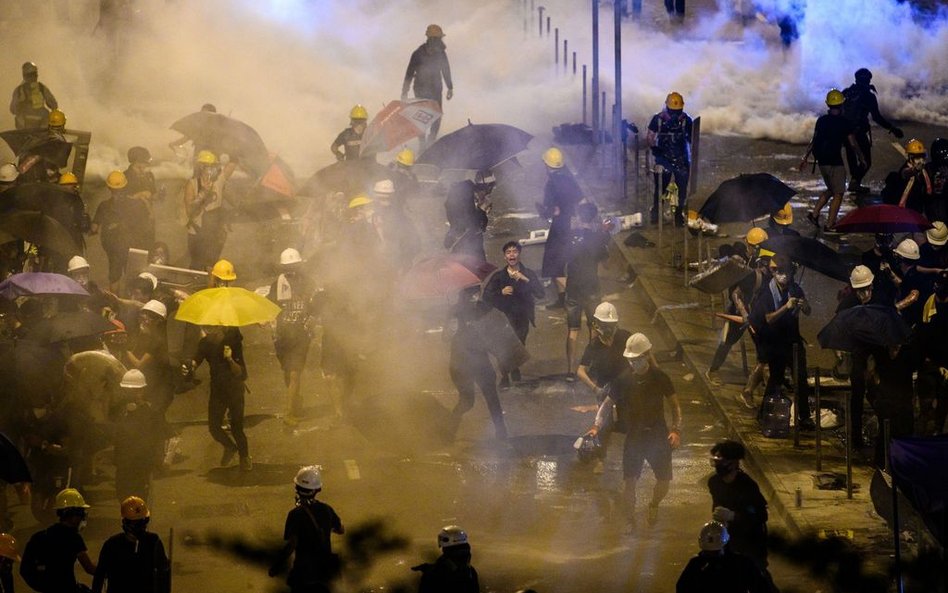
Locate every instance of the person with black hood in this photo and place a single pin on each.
(426, 67)
(452, 571)
(466, 208)
(861, 103)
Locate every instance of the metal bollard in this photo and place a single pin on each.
(819, 424)
(540, 10)
(849, 449)
(584, 93)
(796, 395)
(548, 26)
(574, 64)
(556, 46)
(565, 54)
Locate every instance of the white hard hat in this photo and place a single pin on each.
(151, 277)
(309, 478)
(606, 312)
(861, 277)
(383, 188)
(908, 249)
(636, 346)
(451, 535)
(938, 234)
(77, 262)
(290, 256)
(8, 173)
(133, 379)
(713, 537)
(156, 307)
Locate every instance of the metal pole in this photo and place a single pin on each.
(574, 64)
(819, 425)
(595, 71)
(540, 9)
(565, 54)
(556, 46)
(584, 93)
(547, 26)
(617, 25)
(602, 118)
(796, 395)
(896, 529)
(849, 448)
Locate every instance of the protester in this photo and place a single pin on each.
(670, 138)
(133, 561)
(204, 206)
(122, 222)
(50, 556)
(718, 570)
(350, 139)
(561, 195)
(911, 186)
(938, 173)
(32, 100)
(452, 571)
(142, 185)
(148, 353)
(589, 247)
(8, 555)
(427, 66)
(466, 208)
(780, 221)
(402, 175)
(860, 104)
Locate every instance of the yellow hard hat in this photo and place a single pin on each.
(834, 98)
(359, 200)
(784, 216)
(68, 178)
(358, 112)
(756, 236)
(57, 118)
(553, 157)
(135, 509)
(206, 157)
(70, 498)
(224, 270)
(915, 147)
(674, 100)
(434, 31)
(116, 180)
(8, 547)
(406, 157)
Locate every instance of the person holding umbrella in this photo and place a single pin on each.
(427, 66)
(670, 136)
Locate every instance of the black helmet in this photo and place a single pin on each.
(863, 74)
(139, 154)
(939, 150)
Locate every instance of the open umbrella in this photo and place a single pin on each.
(229, 305)
(36, 227)
(56, 201)
(809, 253)
(69, 326)
(476, 146)
(38, 142)
(867, 325)
(436, 279)
(13, 468)
(745, 198)
(398, 123)
(226, 135)
(37, 283)
(349, 177)
(883, 218)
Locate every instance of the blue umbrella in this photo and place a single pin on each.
(37, 283)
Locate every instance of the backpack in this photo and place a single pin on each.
(33, 564)
(854, 109)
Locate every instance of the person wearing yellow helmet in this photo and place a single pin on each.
(405, 180)
(32, 100)
(780, 221)
(427, 67)
(861, 103)
(135, 559)
(50, 555)
(121, 222)
(669, 136)
(204, 206)
(141, 184)
(831, 133)
(350, 139)
(912, 186)
(561, 196)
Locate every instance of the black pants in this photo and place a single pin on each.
(219, 404)
(779, 360)
(732, 336)
(932, 391)
(857, 395)
(864, 141)
(473, 367)
(675, 7)
(521, 327)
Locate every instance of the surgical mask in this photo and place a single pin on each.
(638, 365)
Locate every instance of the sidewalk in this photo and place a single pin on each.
(781, 469)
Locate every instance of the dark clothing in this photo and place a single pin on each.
(29, 105)
(912, 279)
(425, 71)
(640, 400)
(122, 223)
(157, 370)
(672, 151)
(931, 256)
(139, 566)
(911, 184)
(227, 389)
(561, 195)
(588, 248)
(748, 528)
(711, 572)
(143, 182)
(470, 365)
(294, 294)
(830, 135)
(731, 333)
(309, 526)
(605, 363)
(861, 103)
(884, 290)
(519, 307)
(466, 222)
(938, 173)
(447, 575)
(892, 398)
(59, 546)
(139, 444)
(351, 142)
(676, 7)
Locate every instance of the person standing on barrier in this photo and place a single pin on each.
(861, 103)
(670, 136)
(427, 66)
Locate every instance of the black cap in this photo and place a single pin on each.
(728, 449)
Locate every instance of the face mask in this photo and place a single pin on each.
(606, 330)
(722, 467)
(638, 365)
(82, 525)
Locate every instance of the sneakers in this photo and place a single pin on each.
(570, 377)
(713, 378)
(857, 188)
(559, 303)
(246, 463)
(228, 456)
(747, 398)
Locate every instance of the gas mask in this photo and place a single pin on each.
(606, 330)
(638, 365)
(917, 162)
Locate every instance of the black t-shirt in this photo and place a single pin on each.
(749, 526)
(605, 363)
(588, 247)
(784, 330)
(933, 256)
(640, 399)
(313, 542)
(829, 136)
(132, 567)
(351, 141)
(223, 381)
(296, 308)
(62, 546)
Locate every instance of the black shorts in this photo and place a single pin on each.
(651, 446)
(575, 309)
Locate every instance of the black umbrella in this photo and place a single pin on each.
(36, 227)
(56, 201)
(69, 326)
(349, 177)
(226, 135)
(13, 468)
(809, 253)
(745, 198)
(866, 325)
(476, 146)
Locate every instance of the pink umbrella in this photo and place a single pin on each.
(438, 278)
(398, 123)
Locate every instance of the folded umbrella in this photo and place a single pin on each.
(42, 230)
(864, 325)
(69, 326)
(883, 218)
(745, 198)
(476, 146)
(226, 135)
(809, 253)
(229, 306)
(399, 122)
(37, 283)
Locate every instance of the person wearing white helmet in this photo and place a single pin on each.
(860, 293)
(139, 433)
(715, 568)
(78, 270)
(293, 291)
(913, 287)
(399, 242)
(8, 175)
(638, 396)
(452, 571)
(148, 352)
(933, 256)
(307, 534)
(603, 358)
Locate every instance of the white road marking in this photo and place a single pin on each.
(352, 469)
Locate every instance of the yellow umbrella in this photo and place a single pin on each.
(230, 306)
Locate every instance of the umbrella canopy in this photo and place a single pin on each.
(37, 283)
(745, 198)
(348, 177)
(866, 325)
(36, 227)
(809, 253)
(56, 201)
(225, 135)
(68, 326)
(883, 218)
(476, 146)
(398, 123)
(13, 468)
(38, 141)
(437, 278)
(230, 306)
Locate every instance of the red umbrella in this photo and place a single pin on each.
(883, 218)
(438, 278)
(398, 123)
